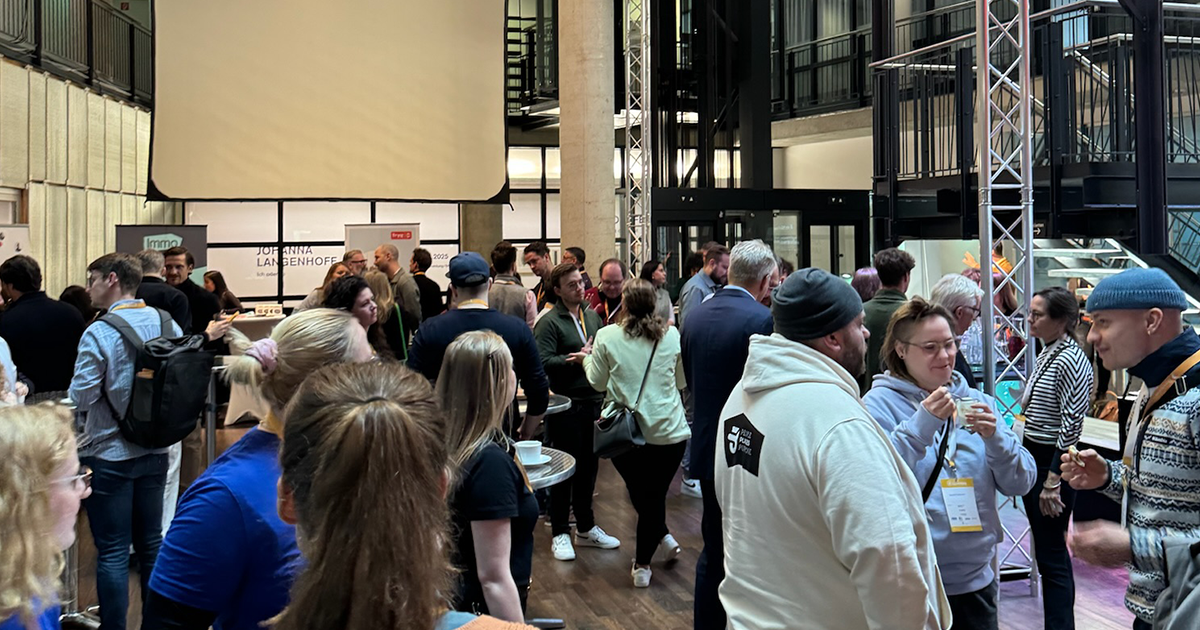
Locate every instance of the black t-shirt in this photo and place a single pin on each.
(492, 488)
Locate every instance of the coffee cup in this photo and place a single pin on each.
(963, 407)
(529, 451)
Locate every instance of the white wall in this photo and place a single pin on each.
(843, 164)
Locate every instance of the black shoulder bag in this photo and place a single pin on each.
(620, 432)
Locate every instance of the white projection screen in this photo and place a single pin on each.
(311, 99)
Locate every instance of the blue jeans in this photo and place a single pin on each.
(125, 508)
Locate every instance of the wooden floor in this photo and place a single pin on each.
(596, 592)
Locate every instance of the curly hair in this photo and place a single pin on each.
(36, 441)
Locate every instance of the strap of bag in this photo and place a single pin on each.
(403, 338)
(165, 320)
(135, 342)
(937, 466)
(646, 375)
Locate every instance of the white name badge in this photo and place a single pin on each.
(959, 496)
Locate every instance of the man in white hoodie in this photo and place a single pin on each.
(823, 523)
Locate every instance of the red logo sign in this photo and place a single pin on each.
(401, 236)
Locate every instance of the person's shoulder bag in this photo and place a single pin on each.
(619, 432)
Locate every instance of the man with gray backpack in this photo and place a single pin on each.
(138, 388)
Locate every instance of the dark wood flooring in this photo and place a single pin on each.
(596, 592)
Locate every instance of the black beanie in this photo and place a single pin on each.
(813, 303)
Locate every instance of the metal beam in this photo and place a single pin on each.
(638, 163)
(1150, 123)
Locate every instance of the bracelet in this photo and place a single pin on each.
(1054, 487)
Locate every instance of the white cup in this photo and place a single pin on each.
(529, 451)
(962, 407)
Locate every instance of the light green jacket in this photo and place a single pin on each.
(616, 366)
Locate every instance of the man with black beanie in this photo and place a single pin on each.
(823, 521)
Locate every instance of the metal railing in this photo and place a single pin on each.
(81, 40)
(1083, 108)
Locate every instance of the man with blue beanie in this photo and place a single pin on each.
(1137, 325)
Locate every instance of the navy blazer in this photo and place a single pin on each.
(715, 344)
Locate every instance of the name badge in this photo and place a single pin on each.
(961, 509)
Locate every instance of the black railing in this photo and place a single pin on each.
(1083, 105)
(82, 40)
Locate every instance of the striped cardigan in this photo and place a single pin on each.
(1164, 492)
(1061, 391)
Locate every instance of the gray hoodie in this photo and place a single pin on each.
(999, 464)
(822, 520)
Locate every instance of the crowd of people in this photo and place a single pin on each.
(848, 466)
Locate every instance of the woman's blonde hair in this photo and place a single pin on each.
(364, 456)
(899, 329)
(640, 304)
(382, 288)
(35, 441)
(304, 341)
(473, 390)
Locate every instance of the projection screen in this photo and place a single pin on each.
(312, 99)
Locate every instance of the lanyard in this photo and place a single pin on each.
(541, 291)
(580, 324)
(482, 303)
(1139, 419)
(130, 305)
(607, 314)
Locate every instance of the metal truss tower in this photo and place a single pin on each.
(638, 161)
(1004, 87)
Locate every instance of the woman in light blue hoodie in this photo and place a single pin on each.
(915, 401)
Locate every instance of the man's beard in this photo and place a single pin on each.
(854, 360)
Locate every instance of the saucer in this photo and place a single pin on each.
(540, 461)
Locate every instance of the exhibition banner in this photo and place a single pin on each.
(132, 239)
(368, 236)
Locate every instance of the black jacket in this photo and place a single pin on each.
(203, 303)
(157, 293)
(432, 304)
(43, 335)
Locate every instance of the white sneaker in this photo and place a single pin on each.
(561, 546)
(595, 537)
(690, 488)
(641, 576)
(668, 550)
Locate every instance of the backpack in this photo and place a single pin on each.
(170, 385)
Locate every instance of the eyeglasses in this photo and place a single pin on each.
(575, 284)
(360, 261)
(931, 348)
(80, 481)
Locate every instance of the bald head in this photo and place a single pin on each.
(387, 259)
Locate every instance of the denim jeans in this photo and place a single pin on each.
(125, 508)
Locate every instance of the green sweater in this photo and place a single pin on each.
(557, 336)
(616, 366)
(877, 312)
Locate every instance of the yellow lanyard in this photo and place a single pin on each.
(125, 306)
(466, 302)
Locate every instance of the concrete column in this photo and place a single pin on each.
(481, 226)
(585, 92)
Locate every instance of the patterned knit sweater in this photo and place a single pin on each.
(1164, 483)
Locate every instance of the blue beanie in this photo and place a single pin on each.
(1137, 289)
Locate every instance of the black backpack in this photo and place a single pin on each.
(170, 385)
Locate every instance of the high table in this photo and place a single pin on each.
(559, 469)
(558, 404)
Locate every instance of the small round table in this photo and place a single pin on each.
(559, 469)
(558, 404)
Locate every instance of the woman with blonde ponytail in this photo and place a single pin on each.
(493, 509)
(228, 558)
(365, 472)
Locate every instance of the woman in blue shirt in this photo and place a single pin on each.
(228, 560)
(916, 401)
(41, 486)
